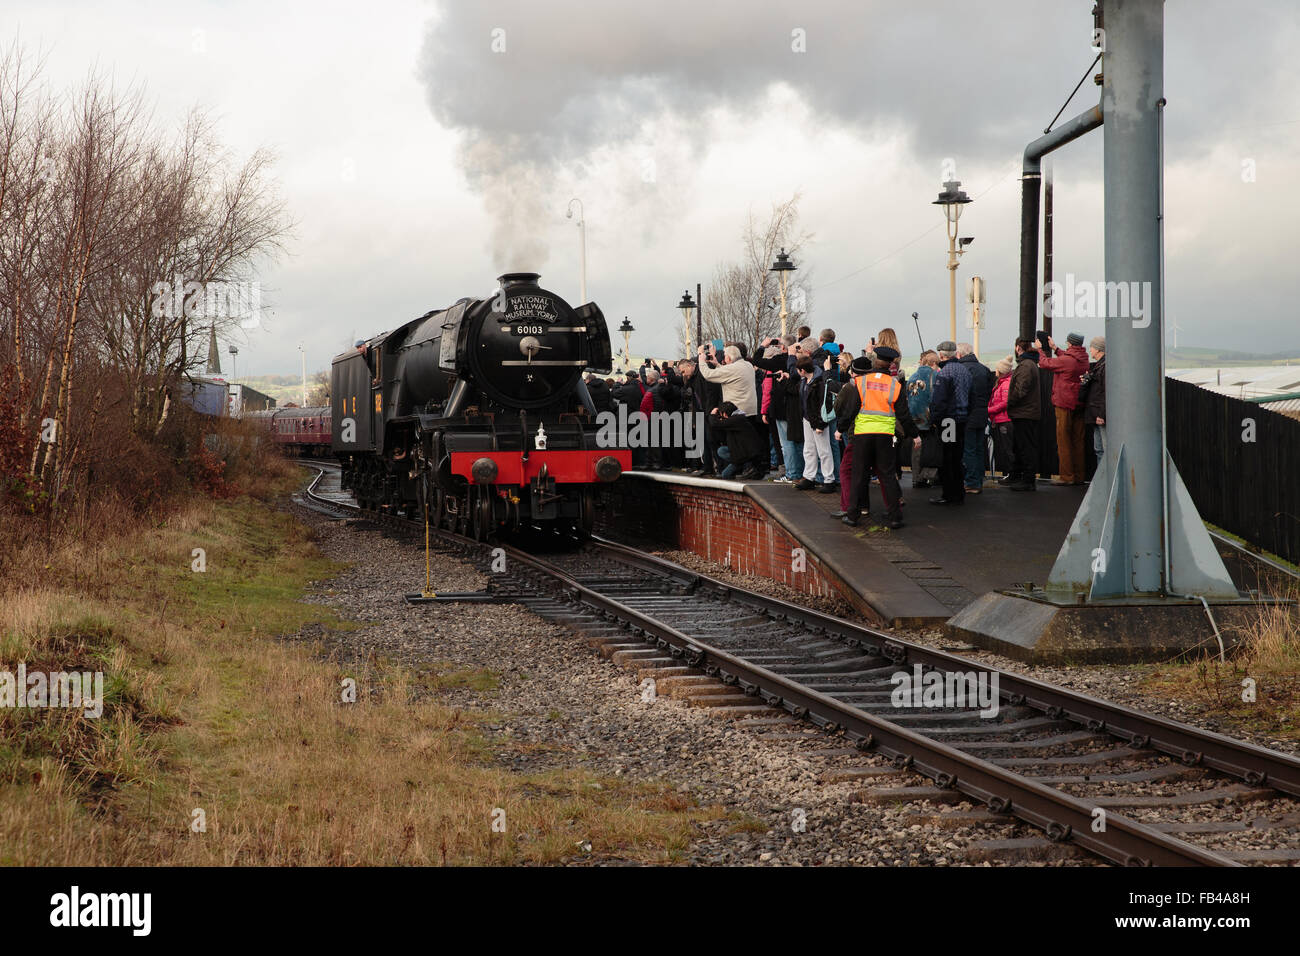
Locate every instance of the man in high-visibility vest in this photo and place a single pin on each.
(873, 407)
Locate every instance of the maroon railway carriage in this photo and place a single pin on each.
(299, 431)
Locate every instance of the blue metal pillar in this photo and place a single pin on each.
(1137, 532)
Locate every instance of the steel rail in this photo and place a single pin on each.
(1249, 762)
(1060, 816)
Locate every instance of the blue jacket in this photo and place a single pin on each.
(951, 397)
(920, 387)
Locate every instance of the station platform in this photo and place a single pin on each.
(942, 560)
(920, 575)
(944, 557)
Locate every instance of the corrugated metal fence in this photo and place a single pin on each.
(1241, 464)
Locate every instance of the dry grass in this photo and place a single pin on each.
(207, 711)
(1268, 655)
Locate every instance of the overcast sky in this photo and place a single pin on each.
(420, 163)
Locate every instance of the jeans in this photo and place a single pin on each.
(724, 454)
(1099, 441)
(791, 451)
(972, 456)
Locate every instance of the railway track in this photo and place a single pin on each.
(1132, 788)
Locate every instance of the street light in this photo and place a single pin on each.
(781, 267)
(582, 245)
(951, 198)
(627, 330)
(687, 305)
(304, 374)
(234, 351)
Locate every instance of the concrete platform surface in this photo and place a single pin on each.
(945, 557)
(951, 555)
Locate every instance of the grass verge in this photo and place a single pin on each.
(1258, 687)
(220, 744)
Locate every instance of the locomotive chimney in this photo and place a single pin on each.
(511, 279)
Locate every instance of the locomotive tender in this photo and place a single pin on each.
(477, 414)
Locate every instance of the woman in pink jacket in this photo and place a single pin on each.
(1000, 420)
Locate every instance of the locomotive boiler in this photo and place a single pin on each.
(477, 416)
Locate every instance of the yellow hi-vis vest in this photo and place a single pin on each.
(878, 391)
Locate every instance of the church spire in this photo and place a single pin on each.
(214, 355)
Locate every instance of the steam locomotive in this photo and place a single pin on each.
(477, 416)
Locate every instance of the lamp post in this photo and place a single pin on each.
(687, 305)
(627, 330)
(781, 266)
(234, 351)
(951, 198)
(304, 374)
(582, 246)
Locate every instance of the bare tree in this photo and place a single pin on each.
(743, 302)
(112, 239)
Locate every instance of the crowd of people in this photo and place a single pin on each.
(806, 411)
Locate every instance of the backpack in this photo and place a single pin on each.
(828, 406)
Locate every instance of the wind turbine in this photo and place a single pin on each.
(1173, 324)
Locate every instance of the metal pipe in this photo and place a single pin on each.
(1167, 579)
(1029, 191)
(1047, 246)
(1208, 613)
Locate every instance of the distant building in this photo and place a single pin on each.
(1274, 387)
(245, 398)
(207, 396)
(1244, 382)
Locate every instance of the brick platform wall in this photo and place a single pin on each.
(721, 525)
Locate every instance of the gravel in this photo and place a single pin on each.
(560, 705)
(1118, 683)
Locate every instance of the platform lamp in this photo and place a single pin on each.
(627, 329)
(687, 305)
(952, 199)
(781, 266)
(234, 351)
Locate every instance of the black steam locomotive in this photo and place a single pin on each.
(477, 415)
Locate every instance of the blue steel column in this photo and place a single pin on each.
(1133, 83)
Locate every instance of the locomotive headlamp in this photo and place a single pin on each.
(608, 468)
(484, 471)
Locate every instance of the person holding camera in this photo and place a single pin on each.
(1068, 366)
(737, 377)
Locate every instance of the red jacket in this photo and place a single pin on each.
(998, 400)
(1067, 368)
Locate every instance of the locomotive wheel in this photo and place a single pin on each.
(478, 530)
(484, 515)
(461, 519)
(439, 517)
